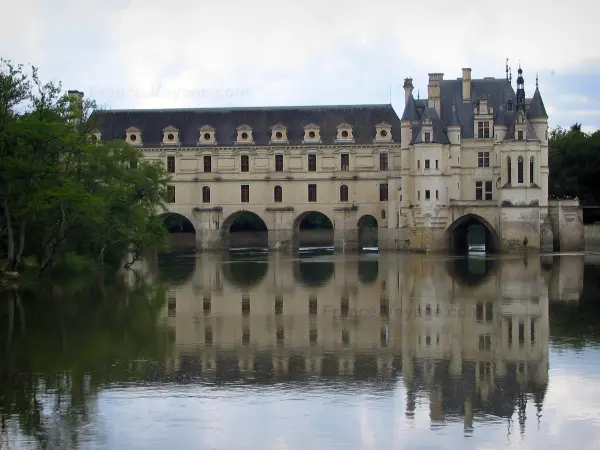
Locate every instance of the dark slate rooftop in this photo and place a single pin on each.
(453, 111)
(363, 119)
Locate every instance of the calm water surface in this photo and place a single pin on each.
(319, 352)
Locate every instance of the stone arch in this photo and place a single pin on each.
(368, 232)
(244, 229)
(457, 234)
(177, 223)
(312, 229)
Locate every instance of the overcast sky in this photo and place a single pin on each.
(186, 53)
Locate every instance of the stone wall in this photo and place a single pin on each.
(592, 236)
(520, 228)
(566, 217)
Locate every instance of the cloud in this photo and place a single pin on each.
(144, 53)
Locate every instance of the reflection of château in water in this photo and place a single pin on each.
(472, 337)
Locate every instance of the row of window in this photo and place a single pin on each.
(278, 193)
(312, 163)
(520, 170)
(428, 164)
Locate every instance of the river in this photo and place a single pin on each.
(321, 351)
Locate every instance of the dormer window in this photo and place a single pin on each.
(520, 127)
(244, 135)
(170, 136)
(312, 134)
(207, 135)
(483, 129)
(509, 106)
(279, 134)
(427, 137)
(344, 133)
(133, 136)
(383, 132)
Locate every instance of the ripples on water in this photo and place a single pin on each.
(258, 351)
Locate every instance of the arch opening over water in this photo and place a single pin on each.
(182, 233)
(368, 233)
(244, 230)
(472, 234)
(313, 230)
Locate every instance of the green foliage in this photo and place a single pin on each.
(60, 192)
(574, 158)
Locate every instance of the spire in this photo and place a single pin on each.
(520, 90)
(507, 68)
(537, 108)
(410, 110)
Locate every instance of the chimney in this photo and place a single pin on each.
(466, 85)
(433, 91)
(408, 89)
(75, 103)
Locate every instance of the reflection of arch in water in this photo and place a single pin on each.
(313, 273)
(244, 229)
(368, 271)
(176, 268)
(177, 223)
(471, 271)
(368, 232)
(472, 229)
(244, 272)
(312, 229)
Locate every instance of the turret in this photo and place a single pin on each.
(408, 89)
(454, 128)
(410, 116)
(500, 126)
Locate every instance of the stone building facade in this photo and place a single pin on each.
(475, 151)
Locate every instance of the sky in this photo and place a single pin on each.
(186, 53)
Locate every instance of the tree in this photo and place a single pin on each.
(63, 193)
(574, 158)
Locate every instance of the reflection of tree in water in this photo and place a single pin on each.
(67, 340)
(313, 273)
(368, 271)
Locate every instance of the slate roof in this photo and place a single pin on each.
(453, 111)
(363, 119)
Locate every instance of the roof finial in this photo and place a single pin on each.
(507, 68)
(536, 80)
(418, 95)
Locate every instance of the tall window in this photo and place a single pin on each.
(383, 161)
(483, 129)
(488, 190)
(171, 164)
(312, 192)
(245, 163)
(343, 193)
(383, 192)
(312, 163)
(345, 161)
(520, 170)
(277, 194)
(483, 159)
(205, 194)
(279, 163)
(437, 164)
(427, 138)
(508, 170)
(520, 135)
(245, 193)
(207, 163)
(531, 168)
(427, 164)
(427, 194)
(479, 190)
(170, 194)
